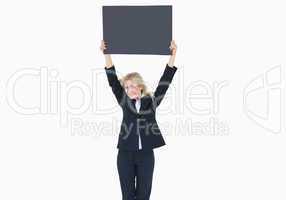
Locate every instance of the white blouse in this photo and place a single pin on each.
(138, 104)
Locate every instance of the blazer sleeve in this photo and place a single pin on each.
(163, 84)
(114, 83)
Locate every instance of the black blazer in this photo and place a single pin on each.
(144, 122)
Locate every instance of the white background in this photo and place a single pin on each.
(240, 43)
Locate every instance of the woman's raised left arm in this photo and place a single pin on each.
(166, 77)
(173, 48)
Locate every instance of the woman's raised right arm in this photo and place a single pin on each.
(112, 78)
(108, 60)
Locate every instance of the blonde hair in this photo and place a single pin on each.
(136, 78)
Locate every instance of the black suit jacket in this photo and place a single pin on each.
(142, 122)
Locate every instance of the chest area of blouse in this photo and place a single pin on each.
(142, 106)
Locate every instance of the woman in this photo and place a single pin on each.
(139, 132)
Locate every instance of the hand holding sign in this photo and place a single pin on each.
(173, 47)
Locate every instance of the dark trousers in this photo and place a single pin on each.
(139, 166)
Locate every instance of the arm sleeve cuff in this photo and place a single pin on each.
(110, 68)
(170, 71)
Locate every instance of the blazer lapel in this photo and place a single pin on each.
(144, 102)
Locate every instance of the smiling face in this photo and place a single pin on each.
(132, 89)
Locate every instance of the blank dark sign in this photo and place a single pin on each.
(137, 29)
